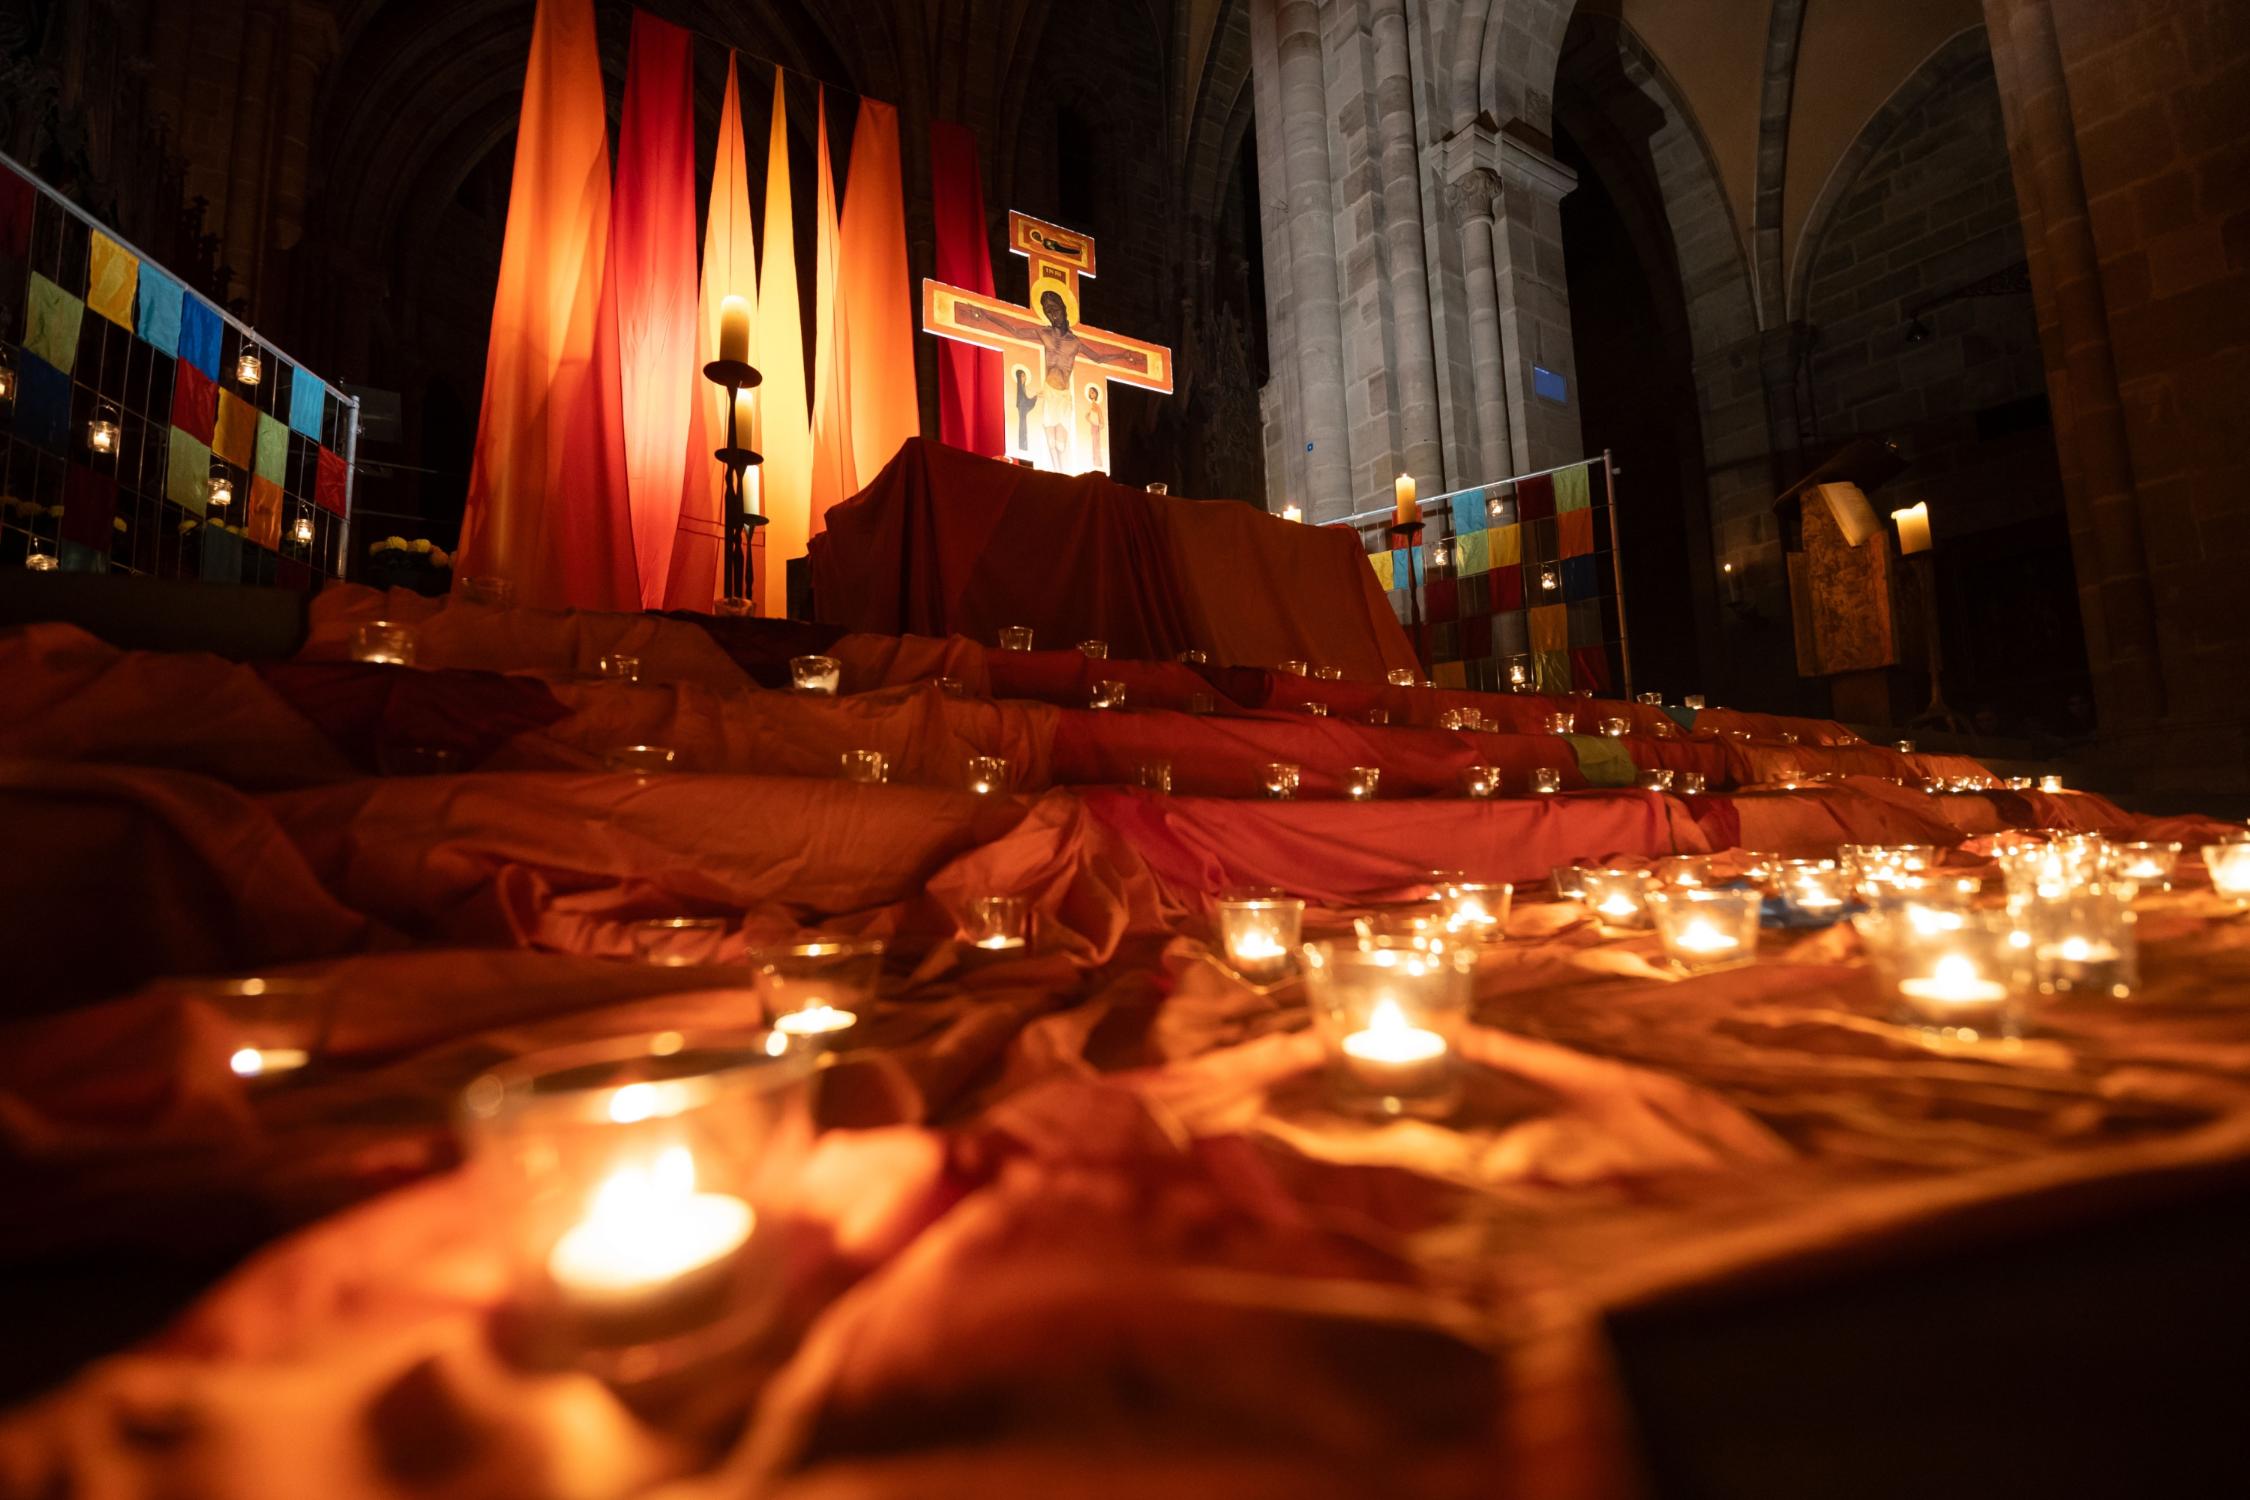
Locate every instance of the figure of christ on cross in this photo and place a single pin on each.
(1063, 347)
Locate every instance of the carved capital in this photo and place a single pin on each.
(1471, 195)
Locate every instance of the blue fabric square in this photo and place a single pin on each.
(307, 403)
(1581, 578)
(199, 336)
(159, 317)
(42, 404)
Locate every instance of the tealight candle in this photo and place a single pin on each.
(1015, 637)
(1618, 897)
(1652, 699)
(618, 667)
(1401, 677)
(997, 923)
(1292, 512)
(1202, 703)
(1259, 931)
(1328, 674)
(1195, 657)
(1687, 871)
(1317, 710)
(987, 774)
(1388, 1012)
(1094, 650)
(820, 988)
(1480, 781)
(817, 675)
(675, 942)
(1616, 728)
(266, 1062)
(1546, 779)
(2229, 865)
(1693, 701)
(1707, 929)
(1154, 775)
(1297, 668)
(1282, 780)
(1656, 780)
(2050, 783)
(1692, 783)
(1378, 716)
(1569, 882)
(1958, 972)
(1558, 723)
(866, 766)
(1109, 692)
(384, 642)
(1476, 910)
(639, 760)
(646, 1229)
(2148, 865)
(1360, 782)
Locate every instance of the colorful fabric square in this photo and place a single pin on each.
(1439, 601)
(1381, 563)
(1589, 668)
(1476, 636)
(1550, 627)
(199, 335)
(1504, 545)
(1601, 760)
(307, 403)
(1509, 634)
(1550, 671)
(113, 280)
(1507, 587)
(42, 404)
(1474, 595)
(195, 403)
(1574, 533)
(1473, 553)
(1682, 716)
(1535, 498)
(264, 519)
(160, 299)
(1581, 578)
(1450, 674)
(235, 436)
(51, 319)
(328, 483)
(1573, 489)
(17, 200)
(273, 448)
(1586, 622)
(89, 501)
(187, 472)
(1539, 540)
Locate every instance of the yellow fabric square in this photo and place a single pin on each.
(235, 438)
(1505, 549)
(113, 280)
(1550, 627)
(1450, 674)
(1381, 562)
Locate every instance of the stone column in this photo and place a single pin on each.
(1534, 301)
(1473, 196)
(1312, 261)
(1416, 355)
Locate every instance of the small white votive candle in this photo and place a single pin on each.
(384, 642)
(1618, 897)
(1154, 776)
(998, 924)
(1388, 1012)
(1480, 781)
(1707, 929)
(1546, 779)
(1282, 780)
(1360, 782)
(817, 675)
(1259, 932)
(1015, 637)
(819, 988)
(866, 766)
(987, 774)
(1402, 677)
(1109, 692)
(1094, 650)
(618, 666)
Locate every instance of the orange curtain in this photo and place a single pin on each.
(777, 348)
(543, 507)
(652, 287)
(730, 269)
(833, 464)
(877, 301)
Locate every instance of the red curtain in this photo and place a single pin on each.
(968, 376)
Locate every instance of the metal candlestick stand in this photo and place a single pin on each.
(1938, 713)
(736, 376)
(1409, 535)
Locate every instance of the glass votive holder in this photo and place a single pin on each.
(2148, 866)
(1616, 728)
(734, 608)
(1559, 723)
(640, 1184)
(1195, 657)
(485, 589)
(1475, 910)
(1328, 674)
(1317, 710)
(1906, 747)
(385, 642)
(2229, 865)
(1656, 780)
(1480, 781)
(997, 924)
(1015, 637)
(1693, 701)
(1652, 699)
(1094, 650)
(617, 666)
(272, 1028)
(1618, 897)
(953, 687)
(1811, 887)
(1360, 782)
(639, 760)
(1378, 716)
(2019, 783)
(2047, 871)
(987, 774)
(2084, 943)
(1202, 703)
(1687, 872)
(1965, 975)
(2050, 783)
(1389, 1015)
(818, 989)
(1259, 932)
(1454, 718)
(1690, 783)
(1546, 779)
(818, 675)
(678, 942)
(1297, 668)
(1878, 864)
(1707, 929)
(1402, 677)
(1568, 881)
(1154, 776)
(1282, 780)
(865, 766)
(1106, 693)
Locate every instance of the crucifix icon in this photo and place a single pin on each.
(1054, 371)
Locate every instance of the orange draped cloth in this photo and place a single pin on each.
(546, 505)
(877, 297)
(777, 348)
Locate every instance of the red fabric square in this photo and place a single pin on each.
(1507, 587)
(328, 485)
(1535, 498)
(195, 403)
(1440, 598)
(1589, 668)
(1476, 637)
(89, 501)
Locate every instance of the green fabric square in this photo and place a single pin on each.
(51, 322)
(187, 472)
(1473, 554)
(1601, 760)
(273, 448)
(1573, 488)
(1550, 671)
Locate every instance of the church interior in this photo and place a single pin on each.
(918, 748)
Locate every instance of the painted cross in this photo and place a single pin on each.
(1054, 371)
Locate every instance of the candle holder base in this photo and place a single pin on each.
(734, 374)
(1437, 1097)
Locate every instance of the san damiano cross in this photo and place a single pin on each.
(1054, 371)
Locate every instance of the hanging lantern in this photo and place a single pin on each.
(248, 369)
(303, 530)
(7, 378)
(103, 433)
(220, 493)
